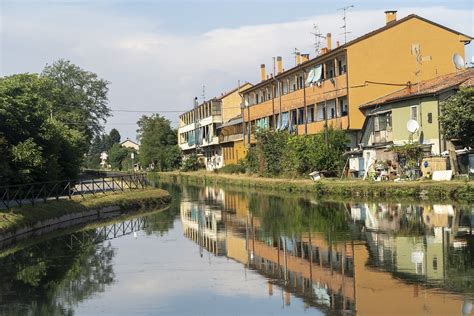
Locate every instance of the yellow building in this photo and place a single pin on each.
(329, 88)
(199, 129)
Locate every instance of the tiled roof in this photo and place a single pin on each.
(462, 78)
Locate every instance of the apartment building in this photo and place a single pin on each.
(199, 129)
(330, 88)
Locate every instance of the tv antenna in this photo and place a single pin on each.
(203, 95)
(344, 9)
(317, 39)
(296, 54)
(419, 59)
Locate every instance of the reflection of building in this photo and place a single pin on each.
(204, 224)
(390, 260)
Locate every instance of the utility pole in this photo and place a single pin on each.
(344, 9)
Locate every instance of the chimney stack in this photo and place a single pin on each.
(390, 16)
(304, 58)
(328, 41)
(298, 58)
(262, 72)
(279, 65)
(337, 44)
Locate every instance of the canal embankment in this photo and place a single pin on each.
(29, 218)
(456, 190)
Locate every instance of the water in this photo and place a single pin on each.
(216, 251)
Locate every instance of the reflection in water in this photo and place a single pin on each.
(298, 255)
(354, 257)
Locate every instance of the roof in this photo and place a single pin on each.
(233, 121)
(433, 86)
(128, 140)
(233, 90)
(356, 40)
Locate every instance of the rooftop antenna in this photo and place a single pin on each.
(296, 53)
(203, 95)
(317, 39)
(344, 9)
(419, 59)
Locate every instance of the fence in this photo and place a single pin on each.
(31, 193)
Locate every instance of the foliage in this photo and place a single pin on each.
(35, 147)
(232, 168)
(80, 97)
(159, 141)
(191, 163)
(457, 116)
(409, 157)
(278, 153)
(101, 143)
(117, 155)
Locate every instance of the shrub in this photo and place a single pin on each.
(191, 163)
(232, 168)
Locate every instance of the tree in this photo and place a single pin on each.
(80, 97)
(158, 143)
(117, 154)
(457, 117)
(38, 148)
(114, 137)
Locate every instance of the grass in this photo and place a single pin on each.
(457, 190)
(29, 215)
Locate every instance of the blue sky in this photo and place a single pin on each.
(158, 54)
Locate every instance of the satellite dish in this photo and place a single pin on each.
(458, 61)
(412, 126)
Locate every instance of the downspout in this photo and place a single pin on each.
(305, 114)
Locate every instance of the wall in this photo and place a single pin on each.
(233, 152)
(429, 131)
(231, 104)
(386, 57)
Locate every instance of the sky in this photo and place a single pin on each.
(158, 55)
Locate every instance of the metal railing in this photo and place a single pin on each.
(32, 193)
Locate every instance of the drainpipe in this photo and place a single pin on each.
(305, 114)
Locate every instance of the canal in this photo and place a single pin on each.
(221, 251)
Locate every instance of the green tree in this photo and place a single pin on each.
(158, 143)
(457, 116)
(117, 155)
(114, 137)
(38, 148)
(80, 97)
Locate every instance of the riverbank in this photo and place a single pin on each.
(31, 217)
(423, 189)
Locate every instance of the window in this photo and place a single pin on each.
(343, 106)
(435, 263)
(310, 114)
(300, 116)
(430, 117)
(414, 113)
(256, 98)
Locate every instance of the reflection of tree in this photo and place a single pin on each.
(460, 268)
(52, 277)
(296, 216)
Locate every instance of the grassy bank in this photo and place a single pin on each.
(423, 189)
(29, 215)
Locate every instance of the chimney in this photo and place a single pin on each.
(279, 65)
(304, 58)
(298, 58)
(262, 72)
(390, 16)
(337, 43)
(328, 41)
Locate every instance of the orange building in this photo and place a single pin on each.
(329, 88)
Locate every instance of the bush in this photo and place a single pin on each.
(278, 153)
(191, 163)
(233, 168)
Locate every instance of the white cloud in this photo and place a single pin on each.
(155, 70)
